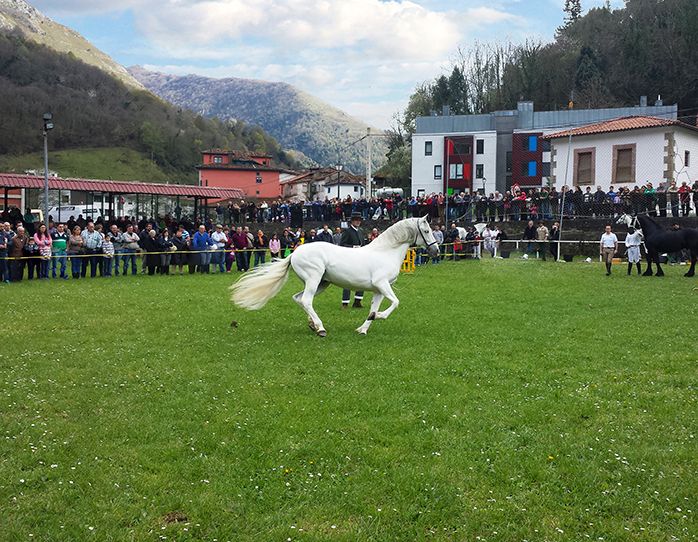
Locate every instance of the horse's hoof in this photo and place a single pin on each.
(688, 274)
(646, 274)
(659, 274)
(361, 331)
(322, 333)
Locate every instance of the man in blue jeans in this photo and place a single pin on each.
(59, 247)
(129, 246)
(114, 236)
(93, 247)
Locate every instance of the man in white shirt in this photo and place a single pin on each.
(608, 248)
(219, 238)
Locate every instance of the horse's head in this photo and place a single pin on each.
(425, 237)
(625, 218)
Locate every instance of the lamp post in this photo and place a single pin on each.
(48, 125)
(339, 168)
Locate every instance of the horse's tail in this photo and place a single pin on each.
(258, 286)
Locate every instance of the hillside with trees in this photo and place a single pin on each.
(299, 121)
(93, 109)
(604, 58)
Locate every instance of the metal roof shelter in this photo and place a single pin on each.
(10, 181)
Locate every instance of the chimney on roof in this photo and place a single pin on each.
(643, 101)
(659, 101)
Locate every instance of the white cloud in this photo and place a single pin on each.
(365, 56)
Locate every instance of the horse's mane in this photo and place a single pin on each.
(649, 220)
(397, 234)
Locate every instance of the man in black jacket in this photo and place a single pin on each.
(530, 236)
(324, 235)
(353, 237)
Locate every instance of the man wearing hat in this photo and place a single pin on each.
(353, 237)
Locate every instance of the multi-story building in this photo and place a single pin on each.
(625, 152)
(252, 173)
(488, 152)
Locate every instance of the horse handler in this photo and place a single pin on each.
(608, 248)
(353, 237)
(632, 243)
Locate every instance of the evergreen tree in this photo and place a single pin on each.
(573, 11)
(458, 92)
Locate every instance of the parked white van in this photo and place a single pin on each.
(64, 212)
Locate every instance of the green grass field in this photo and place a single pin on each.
(502, 401)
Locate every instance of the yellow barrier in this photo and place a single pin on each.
(408, 264)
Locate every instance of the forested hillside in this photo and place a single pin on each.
(93, 109)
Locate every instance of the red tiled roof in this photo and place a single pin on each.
(242, 154)
(11, 180)
(619, 125)
(327, 175)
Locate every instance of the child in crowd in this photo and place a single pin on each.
(31, 251)
(108, 250)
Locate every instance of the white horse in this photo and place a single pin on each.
(373, 267)
(630, 221)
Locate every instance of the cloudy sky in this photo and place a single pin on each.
(363, 56)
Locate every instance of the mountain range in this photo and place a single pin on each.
(19, 15)
(297, 120)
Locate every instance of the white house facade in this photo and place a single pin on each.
(625, 152)
(451, 153)
(454, 162)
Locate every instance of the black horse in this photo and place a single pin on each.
(658, 241)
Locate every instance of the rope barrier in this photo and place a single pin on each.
(459, 245)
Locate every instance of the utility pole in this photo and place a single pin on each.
(48, 125)
(368, 163)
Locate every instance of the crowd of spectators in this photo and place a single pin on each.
(517, 204)
(522, 204)
(84, 248)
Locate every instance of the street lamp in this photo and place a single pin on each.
(339, 168)
(48, 125)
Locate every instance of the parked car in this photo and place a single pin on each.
(64, 212)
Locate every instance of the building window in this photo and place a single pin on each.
(545, 145)
(428, 148)
(437, 171)
(584, 166)
(528, 169)
(509, 162)
(258, 178)
(461, 148)
(479, 171)
(456, 171)
(623, 164)
(687, 159)
(479, 146)
(217, 159)
(532, 143)
(545, 169)
(356, 189)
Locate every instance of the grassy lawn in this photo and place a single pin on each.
(503, 400)
(116, 163)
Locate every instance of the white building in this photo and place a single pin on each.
(321, 183)
(451, 153)
(454, 162)
(622, 152)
